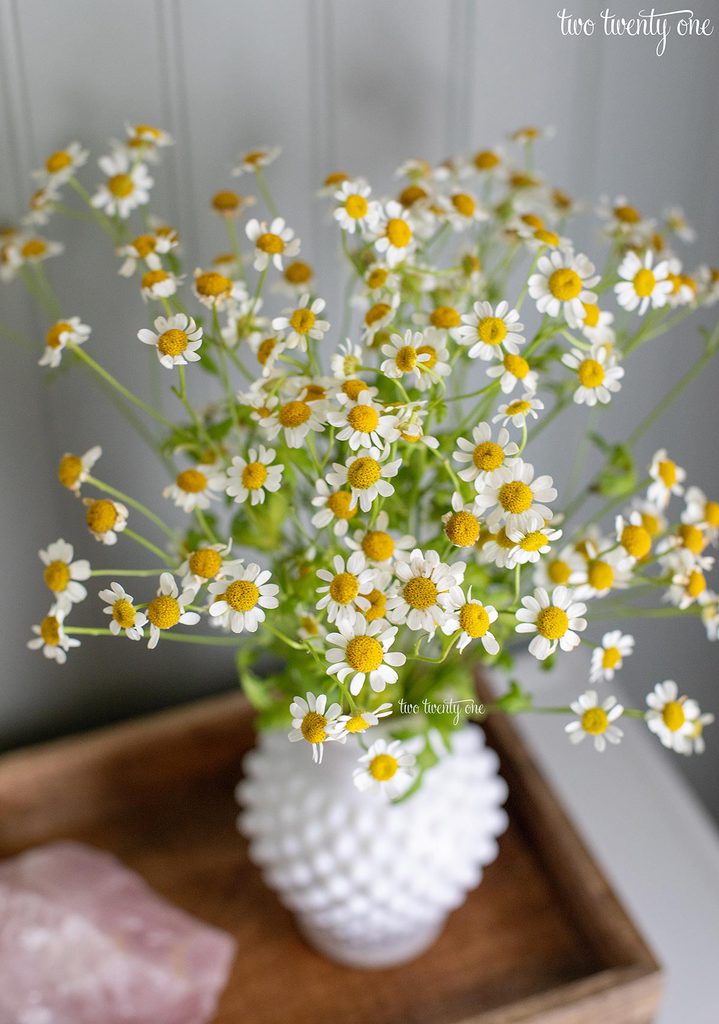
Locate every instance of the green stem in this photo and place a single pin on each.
(265, 191)
(663, 403)
(125, 392)
(162, 555)
(167, 634)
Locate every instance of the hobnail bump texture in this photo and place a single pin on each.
(370, 882)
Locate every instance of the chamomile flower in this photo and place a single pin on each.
(368, 476)
(124, 617)
(410, 417)
(73, 470)
(335, 506)
(676, 222)
(295, 419)
(364, 424)
(516, 499)
(159, 284)
(355, 211)
(461, 525)
(487, 329)
(62, 333)
(361, 721)
(51, 638)
(710, 615)
(361, 652)
(345, 588)
(532, 545)
(36, 249)
(562, 283)
(379, 545)
(696, 738)
(474, 619)
(309, 626)
(597, 372)
(609, 657)
(394, 239)
(254, 477)
(145, 139)
(167, 609)
(105, 519)
(176, 339)
(514, 370)
(595, 324)
(557, 571)
(701, 511)
(378, 316)
(485, 460)
(302, 323)
(127, 187)
(255, 159)
(195, 487)
(668, 479)
(633, 535)
(623, 220)
(273, 242)
(216, 291)
(205, 564)
(519, 411)
(387, 768)
(229, 204)
(689, 583)
(643, 283)
(63, 575)
(240, 600)
(672, 718)
(410, 357)
(314, 722)
(145, 249)
(556, 620)
(428, 591)
(42, 205)
(600, 572)
(347, 360)
(62, 164)
(595, 720)
(462, 210)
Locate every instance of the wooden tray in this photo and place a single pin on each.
(543, 939)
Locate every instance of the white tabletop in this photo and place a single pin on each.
(656, 843)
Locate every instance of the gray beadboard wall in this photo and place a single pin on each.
(351, 84)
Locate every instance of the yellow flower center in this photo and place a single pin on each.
(353, 388)
(534, 541)
(363, 418)
(696, 583)
(636, 540)
(364, 653)
(340, 504)
(515, 497)
(335, 178)
(502, 540)
(565, 284)
(313, 727)
(265, 350)
(627, 214)
(147, 129)
(363, 473)
(532, 220)
(377, 608)
(356, 724)
(644, 282)
(411, 195)
(294, 414)
(152, 278)
(558, 571)
(270, 243)
(191, 480)
(57, 576)
(50, 630)
(254, 475)
(144, 245)
(611, 657)
(121, 185)
(445, 317)
(164, 611)
(667, 472)
(212, 285)
(591, 314)
(69, 471)
(205, 563)
(546, 237)
(310, 625)
(172, 342)
(406, 358)
(471, 264)
(485, 160)
(123, 612)
(521, 180)
(552, 622)
(600, 575)
(242, 595)
(492, 330)
(298, 272)
(226, 202)
(692, 538)
(344, 588)
(518, 407)
(488, 456)
(33, 248)
(673, 715)
(378, 545)
(595, 721)
(474, 620)
(376, 313)
(590, 373)
(516, 365)
(376, 277)
(53, 337)
(431, 352)
(58, 161)
(398, 232)
(462, 529)
(651, 523)
(302, 321)
(383, 767)
(101, 515)
(419, 592)
(464, 204)
(356, 206)
(711, 513)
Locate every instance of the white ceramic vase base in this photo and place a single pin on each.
(371, 882)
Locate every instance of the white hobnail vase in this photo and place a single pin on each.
(370, 882)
